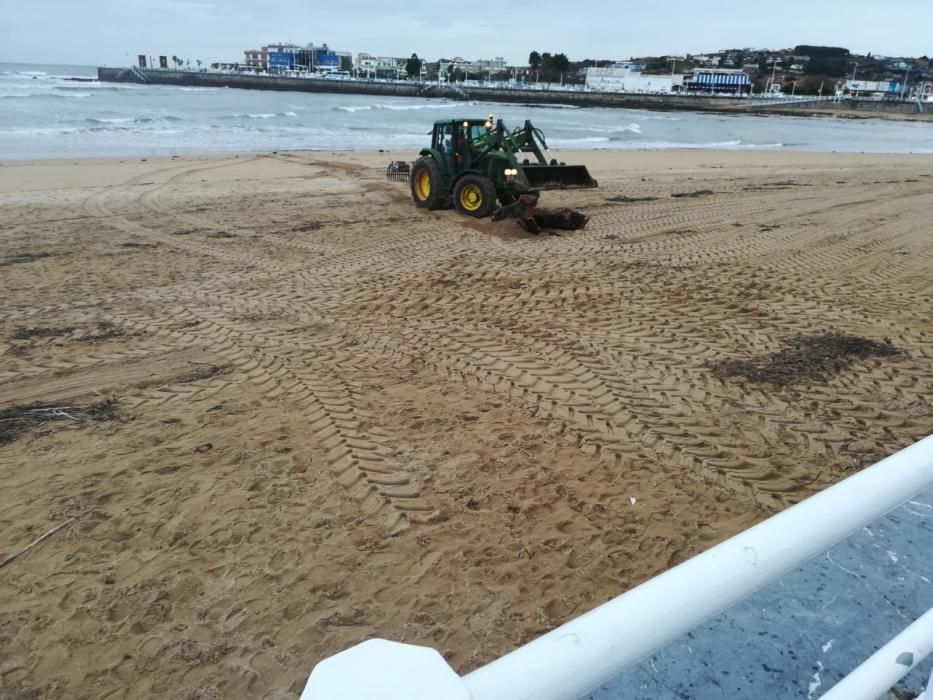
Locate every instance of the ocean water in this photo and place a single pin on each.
(44, 114)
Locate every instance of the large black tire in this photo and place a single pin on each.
(474, 195)
(426, 184)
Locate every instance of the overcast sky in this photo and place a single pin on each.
(115, 31)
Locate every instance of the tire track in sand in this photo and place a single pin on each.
(363, 464)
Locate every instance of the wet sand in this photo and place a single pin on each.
(339, 417)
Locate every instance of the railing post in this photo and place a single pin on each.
(386, 670)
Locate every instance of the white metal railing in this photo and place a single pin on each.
(582, 654)
(889, 664)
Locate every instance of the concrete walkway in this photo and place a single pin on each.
(799, 636)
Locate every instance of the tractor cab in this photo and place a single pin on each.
(452, 139)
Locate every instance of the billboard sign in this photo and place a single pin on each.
(327, 60)
(873, 85)
(281, 60)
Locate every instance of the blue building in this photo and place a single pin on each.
(277, 58)
(718, 80)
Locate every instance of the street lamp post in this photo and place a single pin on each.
(771, 82)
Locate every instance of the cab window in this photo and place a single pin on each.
(444, 138)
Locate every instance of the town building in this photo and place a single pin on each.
(703, 59)
(718, 80)
(259, 58)
(284, 56)
(371, 66)
(476, 69)
(627, 77)
(494, 65)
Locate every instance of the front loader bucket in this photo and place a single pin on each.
(558, 177)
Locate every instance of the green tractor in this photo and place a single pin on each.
(472, 163)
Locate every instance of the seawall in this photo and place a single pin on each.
(847, 105)
(694, 103)
(455, 92)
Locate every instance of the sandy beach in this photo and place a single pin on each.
(281, 410)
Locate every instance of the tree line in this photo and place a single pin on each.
(547, 66)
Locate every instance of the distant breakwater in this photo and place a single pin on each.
(402, 89)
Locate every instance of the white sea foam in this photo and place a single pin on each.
(401, 108)
(111, 120)
(96, 87)
(259, 115)
(39, 131)
(44, 95)
(630, 144)
(571, 142)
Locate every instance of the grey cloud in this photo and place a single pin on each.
(114, 31)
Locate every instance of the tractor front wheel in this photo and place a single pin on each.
(474, 195)
(426, 184)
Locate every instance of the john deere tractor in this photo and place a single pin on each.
(472, 163)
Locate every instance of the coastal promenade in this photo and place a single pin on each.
(578, 98)
(854, 108)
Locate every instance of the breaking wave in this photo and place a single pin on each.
(734, 144)
(110, 120)
(260, 115)
(44, 95)
(400, 108)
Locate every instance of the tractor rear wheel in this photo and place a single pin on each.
(474, 195)
(426, 184)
